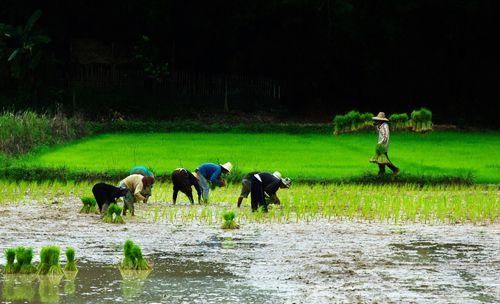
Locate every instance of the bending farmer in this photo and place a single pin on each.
(381, 157)
(182, 180)
(138, 187)
(211, 174)
(265, 185)
(142, 170)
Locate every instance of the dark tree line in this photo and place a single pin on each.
(329, 56)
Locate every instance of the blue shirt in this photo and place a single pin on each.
(211, 172)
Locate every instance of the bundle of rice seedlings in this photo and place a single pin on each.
(416, 117)
(89, 205)
(353, 120)
(140, 262)
(49, 261)
(128, 262)
(426, 117)
(366, 119)
(399, 121)
(10, 256)
(71, 262)
(24, 258)
(229, 222)
(339, 124)
(114, 214)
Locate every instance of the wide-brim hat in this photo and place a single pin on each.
(380, 117)
(227, 166)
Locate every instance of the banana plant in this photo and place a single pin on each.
(25, 41)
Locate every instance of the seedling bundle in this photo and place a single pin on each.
(229, 222)
(114, 214)
(133, 259)
(49, 261)
(89, 205)
(19, 260)
(353, 121)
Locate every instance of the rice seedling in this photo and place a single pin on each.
(133, 258)
(10, 256)
(24, 258)
(49, 261)
(89, 205)
(114, 214)
(229, 220)
(70, 260)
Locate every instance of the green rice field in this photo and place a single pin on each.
(302, 156)
(477, 204)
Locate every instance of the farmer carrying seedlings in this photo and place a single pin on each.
(136, 184)
(381, 157)
(144, 171)
(265, 185)
(182, 180)
(211, 174)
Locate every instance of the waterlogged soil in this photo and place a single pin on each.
(315, 262)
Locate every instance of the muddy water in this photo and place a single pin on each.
(319, 262)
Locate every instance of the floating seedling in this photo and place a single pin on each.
(24, 258)
(49, 261)
(133, 258)
(89, 205)
(114, 214)
(70, 268)
(229, 222)
(10, 256)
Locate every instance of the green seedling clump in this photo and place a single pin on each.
(229, 222)
(128, 262)
(114, 214)
(133, 258)
(89, 205)
(24, 258)
(49, 261)
(71, 263)
(140, 262)
(10, 256)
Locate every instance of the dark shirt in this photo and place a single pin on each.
(270, 183)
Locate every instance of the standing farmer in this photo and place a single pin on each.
(137, 185)
(182, 180)
(381, 157)
(211, 174)
(265, 185)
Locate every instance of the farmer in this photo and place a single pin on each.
(144, 171)
(265, 185)
(136, 184)
(381, 157)
(211, 174)
(182, 180)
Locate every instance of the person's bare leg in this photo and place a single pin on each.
(240, 200)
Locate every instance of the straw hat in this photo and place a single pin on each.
(277, 175)
(380, 116)
(228, 166)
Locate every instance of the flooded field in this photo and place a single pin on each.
(299, 261)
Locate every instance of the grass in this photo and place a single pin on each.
(478, 204)
(89, 205)
(49, 261)
(306, 157)
(114, 214)
(229, 220)
(70, 260)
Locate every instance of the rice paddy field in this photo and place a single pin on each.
(326, 242)
(320, 157)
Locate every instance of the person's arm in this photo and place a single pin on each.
(275, 199)
(272, 188)
(215, 177)
(137, 192)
